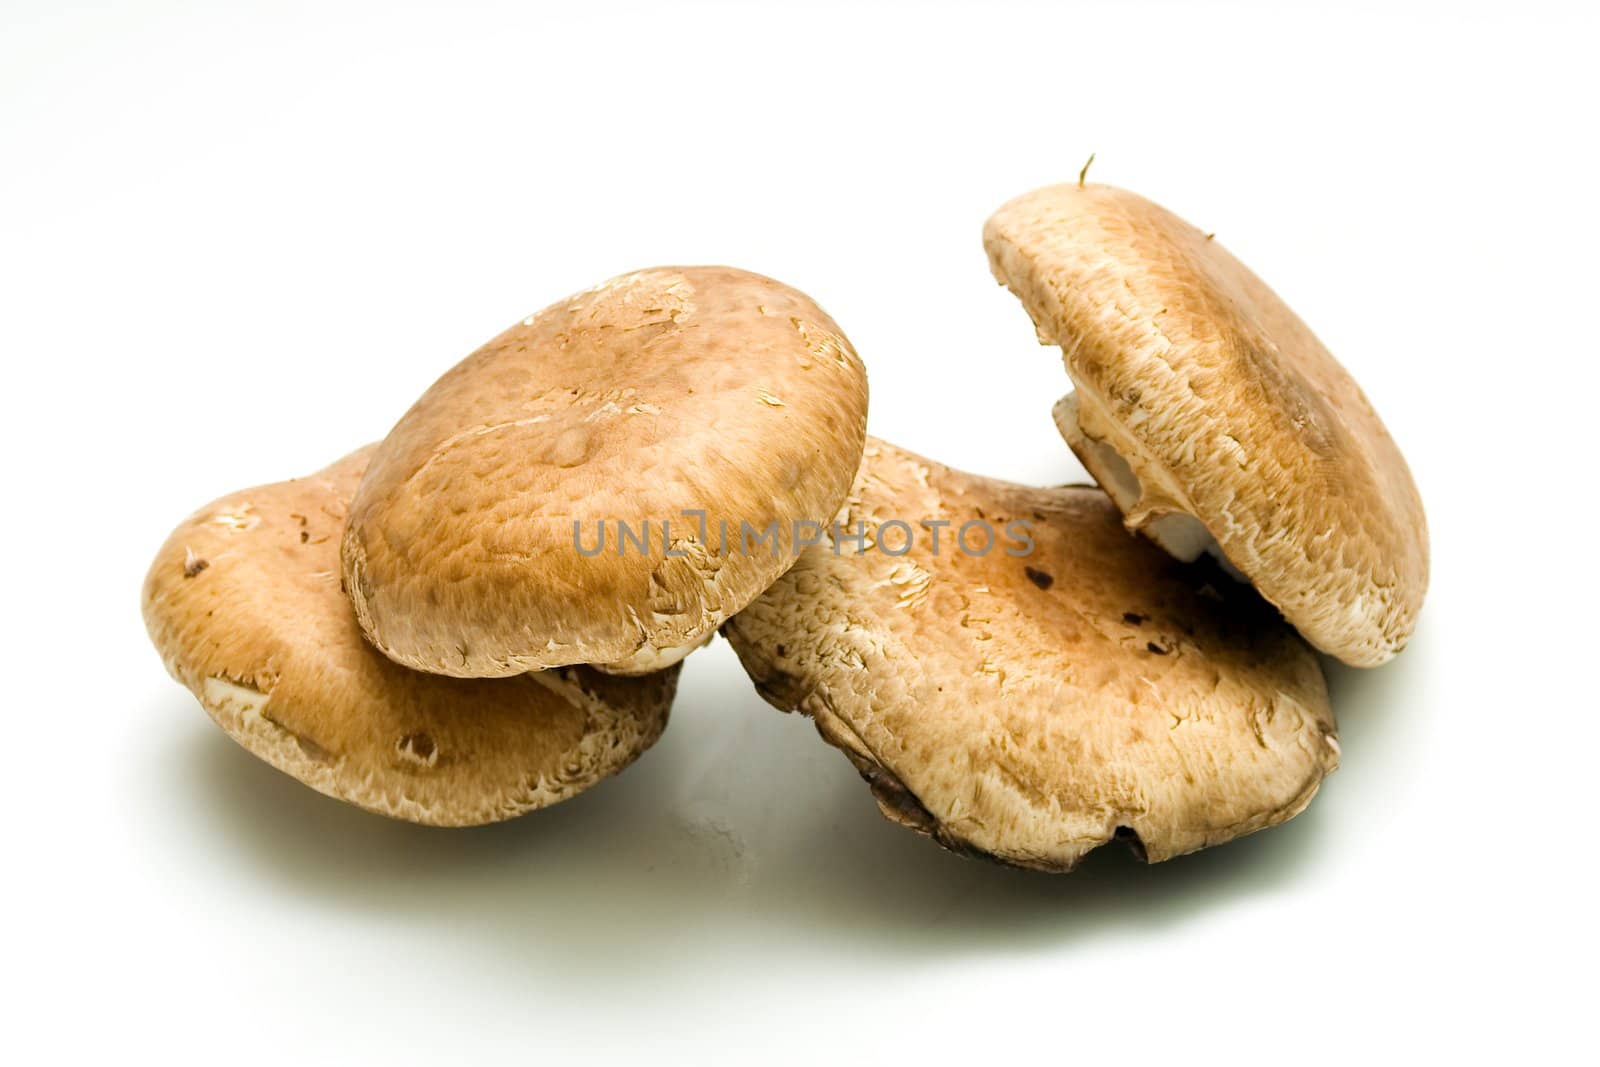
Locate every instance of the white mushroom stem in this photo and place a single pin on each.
(1148, 507)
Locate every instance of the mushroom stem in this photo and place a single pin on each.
(1148, 505)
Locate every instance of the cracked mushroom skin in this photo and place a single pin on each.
(488, 536)
(244, 604)
(1215, 418)
(1031, 707)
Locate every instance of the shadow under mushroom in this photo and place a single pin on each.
(738, 828)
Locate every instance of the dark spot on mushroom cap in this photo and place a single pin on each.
(782, 652)
(1039, 578)
(1157, 649)
(1132, 618)
(193, 565)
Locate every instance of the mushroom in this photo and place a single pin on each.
(1215, 418)
(608, 480)
(244, 604)
(1016, 676)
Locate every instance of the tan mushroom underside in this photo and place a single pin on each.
(244, 604)
(1030, 708)
(1215, 417)
(655, 395)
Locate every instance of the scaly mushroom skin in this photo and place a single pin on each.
(1215, 418)
(674, 390)
(1030, 708)
(244, 604)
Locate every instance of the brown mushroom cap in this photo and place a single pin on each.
(1032, 707)
(668, 391)
(1215, 418)
(243, 602)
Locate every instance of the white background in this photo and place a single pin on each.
(237, 242)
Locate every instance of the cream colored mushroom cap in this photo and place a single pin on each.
(244, 604)
(1201, 396)
(471, 548)
(1032, 707)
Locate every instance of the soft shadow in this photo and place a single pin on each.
(1386, 716)
(740, 825)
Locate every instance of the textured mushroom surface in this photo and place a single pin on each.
(1030, 707)
(244, 604)
(1215, 418)
(691, 405)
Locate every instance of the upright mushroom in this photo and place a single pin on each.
(1026, 681)
(244, 604)
(608, 480)
(1214, 417)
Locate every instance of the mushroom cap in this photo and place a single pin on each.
(244, 604)
(1200, 394)
(655, 395)
(1032, 707)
